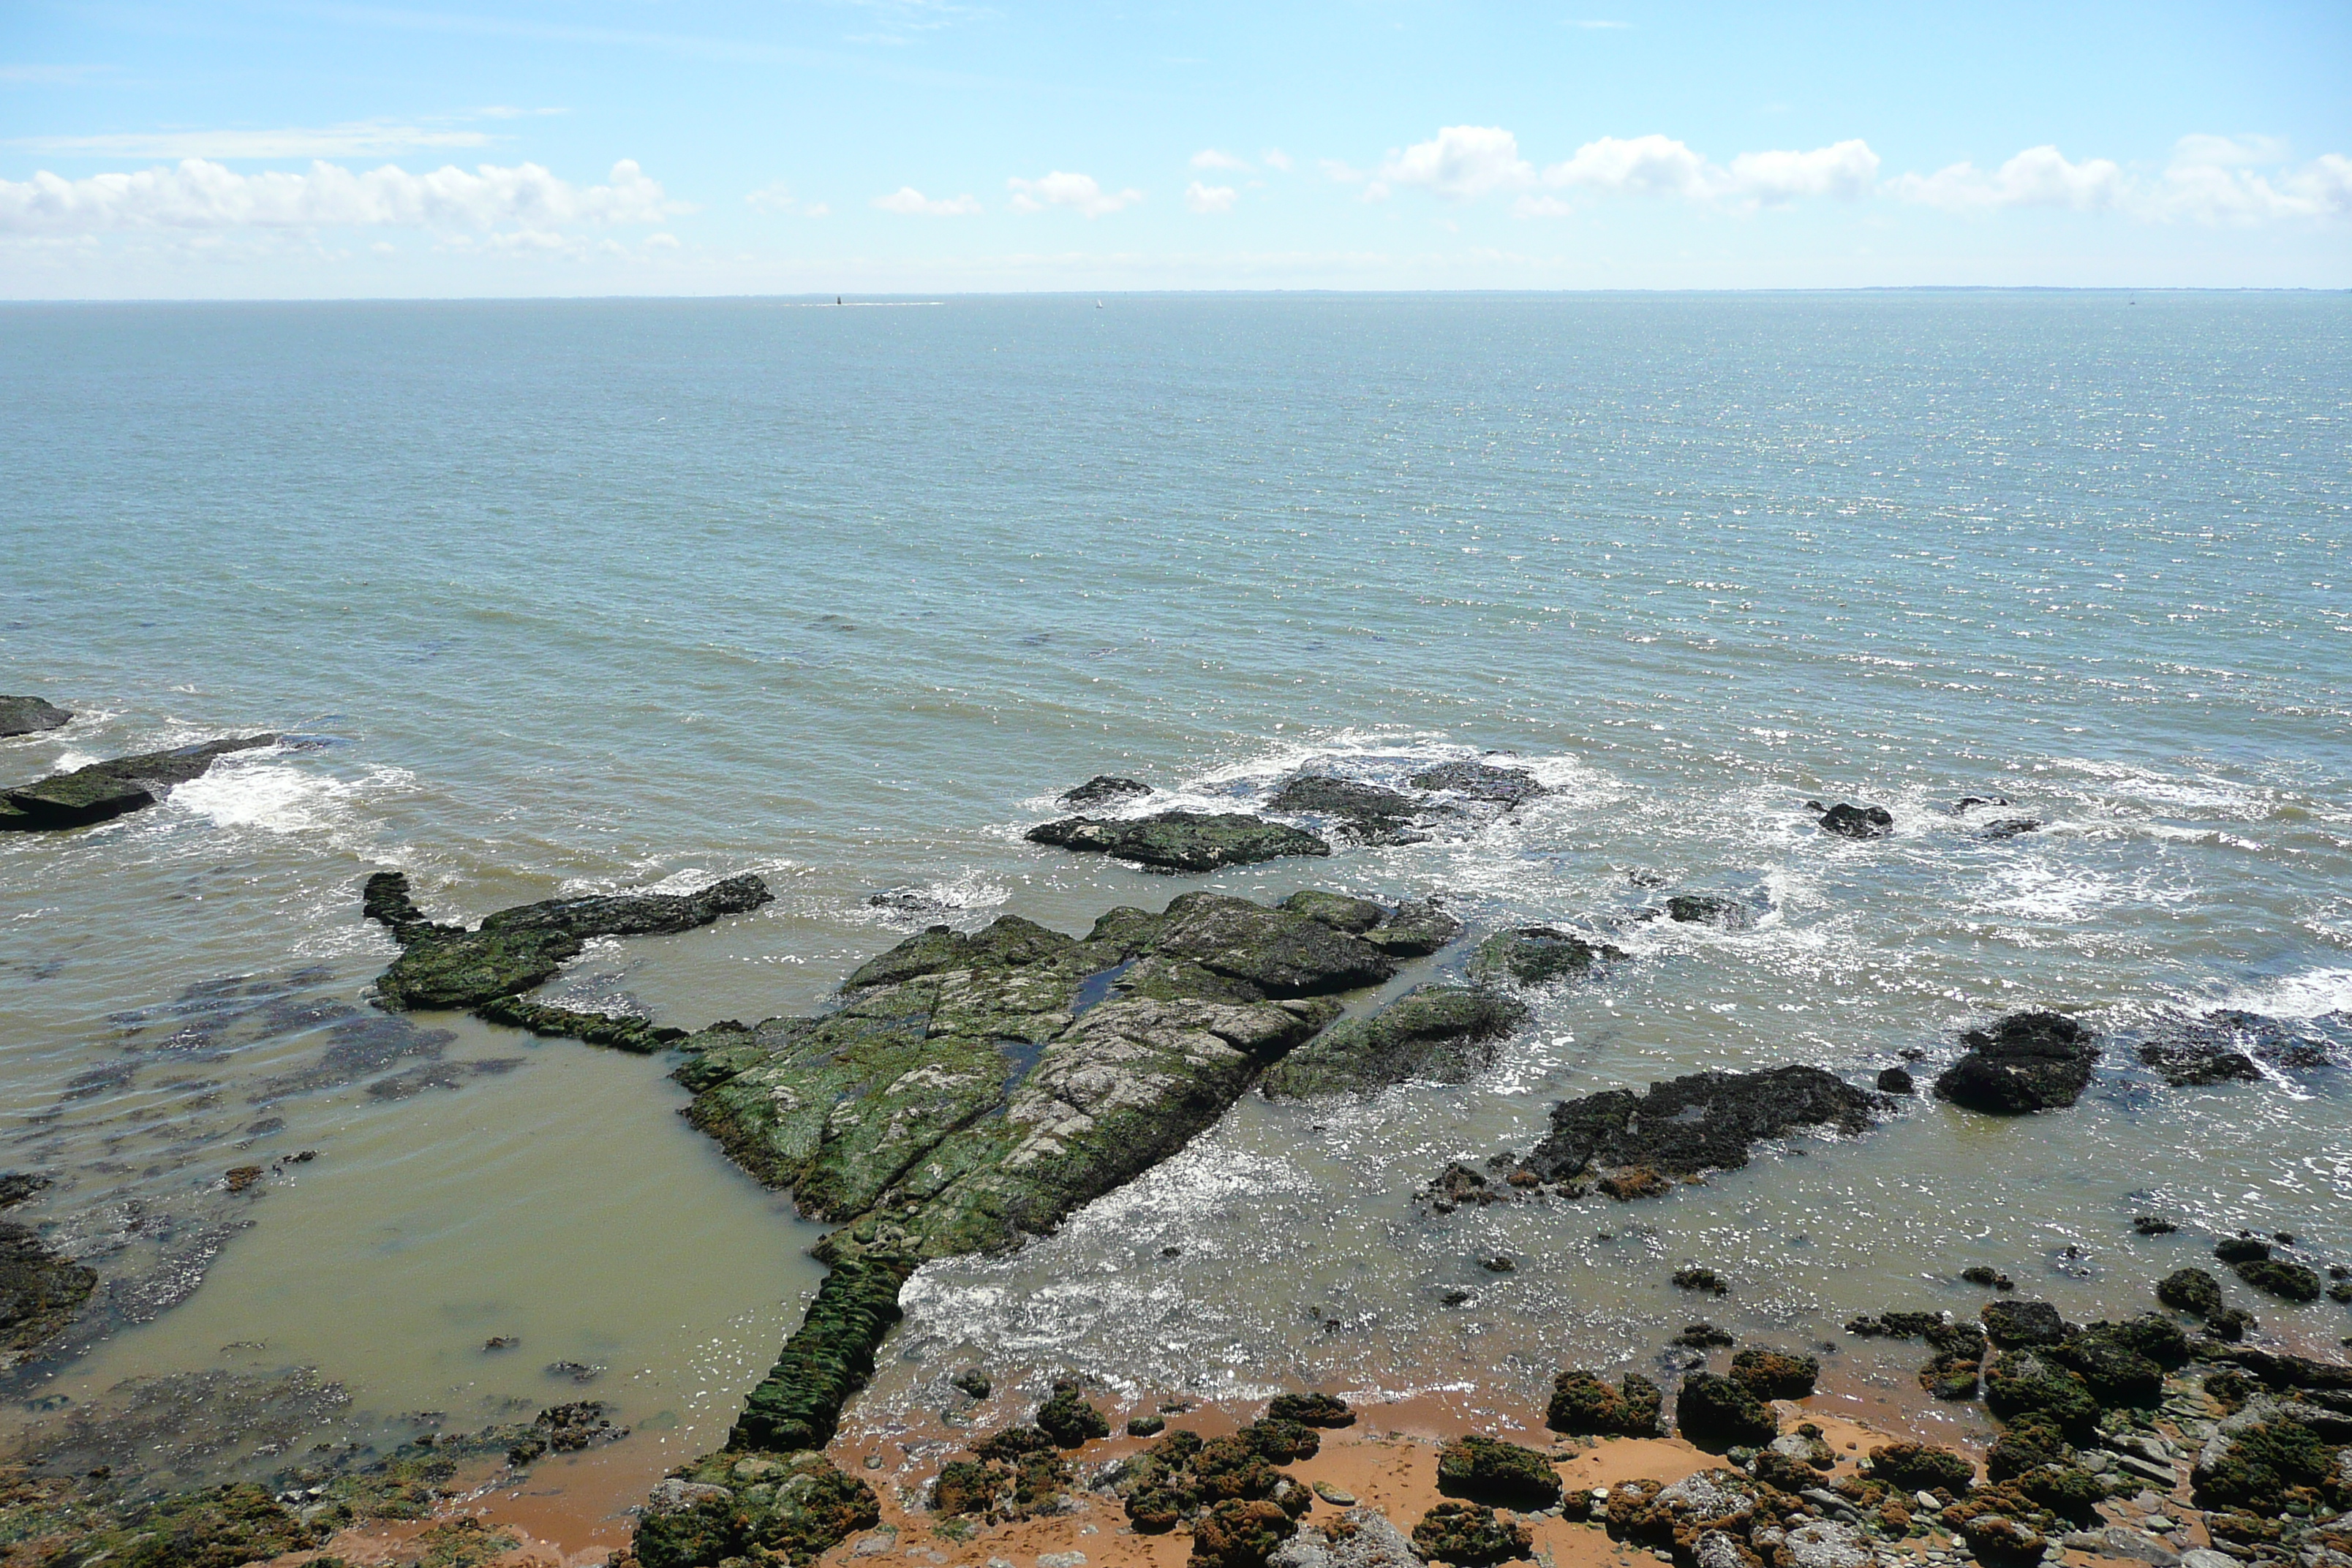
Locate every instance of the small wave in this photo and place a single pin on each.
(2314, 993)
(278, 798)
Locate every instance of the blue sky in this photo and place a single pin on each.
(336, 148)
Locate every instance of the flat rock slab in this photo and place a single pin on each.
(1180, 840)
(29, 715)
(103, 791)
(1707, 1120)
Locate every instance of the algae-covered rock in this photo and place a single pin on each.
(1535, 955)
(1508, 787)
(1469, 1534)
(1367, 812)
(2030, 1442)
(1716, 1413)
(2191, 1290)
(1505, 1475)
(2111, 1366)
(1717, 909)
(1180, 840)
(793, 1506)
(1444, 1033)
(29, 715)
(638, 1036)
(1775, 1374)
(1921, 1468)
(1337, 911)
(1581, 1404)
(1104, 788)
(828, 1358)
(1414, 929)
(103, 791)
(2012, 1323)
(1707, 1120)
(41, 1290)
(2028, 1061)
(1069, 1420)
(2026, 1381)
(2277, 1277)
(2258, 1461)
(1310, 1410)
(1240, 1534)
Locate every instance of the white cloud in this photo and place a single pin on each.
(1461, 163)
(912, 203)
(49, 76)
(1844, 169)
(1646, 165)
(662, 242)
(816, 209)
(200, 195)
(775, 198)
(1540, 206)
(1274, 158)
(2039, 176)
(1209, 158)
(1061, 189)
(358, 139)
(1204, 198)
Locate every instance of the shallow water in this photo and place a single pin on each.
(574, 596)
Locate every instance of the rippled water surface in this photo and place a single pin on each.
(555, 597)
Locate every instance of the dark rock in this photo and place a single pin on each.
(1145, 1425)
(2028, 1061)
(1340, 912)
(1502, 1475)
(1498, 1264)
(1897, 1080)
(1276, 951)
(41, 1289)
(1414, 929)
(1693, 1277)
(2241, 1248)
(2231, 1324)
(18, 1185)
(110, 789)
(2009, 1323)
(1180, 840)
(1703, 1337)
(517, 949)
(1775, 1374)
(1714, 1412)
(2280, 1370)
(1707, 1120)
(1922, 1467)
(1535, 955)
(1991, 1280)
(1103, 787)
(973, 1383)
(2187, 1066)
(1444, 1033)
(1238, 1533)
(2026, 1381)
(2254, 1464)
(2112, 1367)
(2191, 1290)
(1068, 1419)
(828, 1358)
(1583, 1405)
(1850, 821)
(638, 1036)
(967, 1486)
(1311, 1410)
(2009, 828)
(1719, 910)
(1509, 788)
(1458, 1184)
(2030, 1442)
(25, 715)
(1967, 801)
(1469, 1535)
(2153, 1225)
(2277, 1277)
(500, 1343)
(1373, 814)
(790, 1506)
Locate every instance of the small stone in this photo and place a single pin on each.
(501, 1342)
(1335, 1496)
(1498, 1264)
(1061, 1560)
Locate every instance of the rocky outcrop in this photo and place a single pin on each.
(2189, 1063)
(788, 1507)
(1365, 812)
(1850, 821)
(40, 1290)
(103, 791)
(1508, 787)
(1583, 1405)
(1444, 1033)
(1720, 911)
(448, 966)
(1708, 1120)
(974, 1089)
(29, 715)
(1180, 840)
(1104, 788)
(1470, 1536)
(1502, 1475)
(2026, 1062)
(1717, 1412)
(1535, 955)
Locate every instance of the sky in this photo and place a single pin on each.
(244, 149)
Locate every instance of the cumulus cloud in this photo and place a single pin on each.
(1845, 170)
(1644, 166)
(2039, 176)
(1204, 198)
(1061, 189)
(2210, 180)
(1461, 163)
(1274, 158)
(1209, 158)
(911, 203)
(201, 195)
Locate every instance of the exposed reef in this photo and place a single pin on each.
(1535, 955)
(1443, 1032)
(2026, 1062)
(103, 791)
(1707, 1120)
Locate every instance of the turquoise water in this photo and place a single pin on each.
(596, 596)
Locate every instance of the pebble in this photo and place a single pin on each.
(1061, 1559)
(1335, 1496)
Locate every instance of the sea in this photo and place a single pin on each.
(557, 598)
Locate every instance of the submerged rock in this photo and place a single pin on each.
(1180, 840)
(447, 966)
(1103, 787)
(1414, 929)
(1535, 955)
(2191, 1290)
(1719, 910)
(1850, 821)
(28, 715)
(2026, 1062)
(1311, 1410)
(2185, 1064)
(40, 1290)
(1508, 787)
(1444, 1033)
(1707, 1120)
(106, 790)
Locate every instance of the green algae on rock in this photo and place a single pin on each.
(29, 715)
(1535, 955)
(792, 1505)
(1180, 840)
(103, 791)
(1503, 1475)
(1441, 1031)
(41, 1290)
(1584, 1405)
(448, 966)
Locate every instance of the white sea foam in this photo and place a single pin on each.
(277, 797)
(2312, 993)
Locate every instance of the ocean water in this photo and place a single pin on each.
(569, 596)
